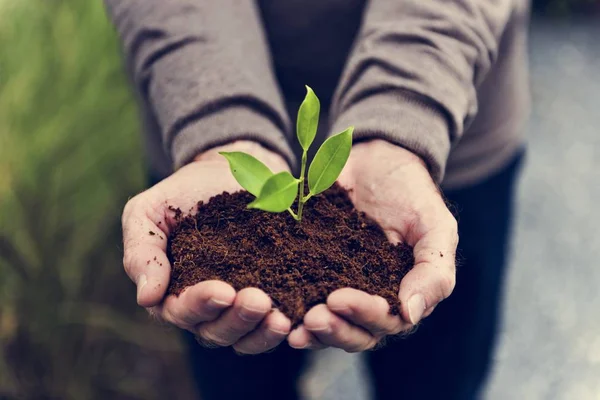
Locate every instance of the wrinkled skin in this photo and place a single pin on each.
(392, 186)
(212, 310)
(389, 183)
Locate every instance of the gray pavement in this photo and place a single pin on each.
(550, 343)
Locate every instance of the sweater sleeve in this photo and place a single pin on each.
(414, 70)
(204, 68)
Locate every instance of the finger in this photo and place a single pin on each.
(433, 277)
(202, 302)
(367, 311)
(300, 338)
(251, 305)
(334, 331)
(144, 247)
(271, 332)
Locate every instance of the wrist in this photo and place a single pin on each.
(381, 149)
(270, 158)
(379, 162)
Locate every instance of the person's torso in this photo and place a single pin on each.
(310, 41)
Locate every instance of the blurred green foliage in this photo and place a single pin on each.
(69, 159)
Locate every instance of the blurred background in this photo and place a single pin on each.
(70, 157)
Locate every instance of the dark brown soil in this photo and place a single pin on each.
(298, 265)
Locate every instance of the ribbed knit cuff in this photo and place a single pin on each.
(405, 120)
(225, 126)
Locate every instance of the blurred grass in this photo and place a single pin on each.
(69, 159)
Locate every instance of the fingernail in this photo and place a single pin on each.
(217, 304)
(345, 311)
(300, 347)
(142, 281)
(326, 329)
(250, 315)
(277, 331)
(416, 308)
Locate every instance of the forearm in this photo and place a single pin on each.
(204, 69)
(414, 71)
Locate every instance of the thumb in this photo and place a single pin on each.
(144, 244)
(433, 276)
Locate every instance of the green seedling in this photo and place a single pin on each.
(278, 192)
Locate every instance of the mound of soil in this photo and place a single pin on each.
(297, 264)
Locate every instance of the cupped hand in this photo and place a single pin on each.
(392, 186)
(212, 310)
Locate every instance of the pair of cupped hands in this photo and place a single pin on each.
(389, 183)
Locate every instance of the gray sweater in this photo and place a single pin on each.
(446, 79)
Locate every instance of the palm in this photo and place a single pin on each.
(392, 196)
(212, 310)
(193, 183)
(393, 187)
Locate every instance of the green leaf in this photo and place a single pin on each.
(308, 119)
(329, 161)
(277, 194)
(250, 173)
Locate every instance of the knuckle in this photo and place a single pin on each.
(353, 350)
(214, 339)
(175, 318)
(346, 340)
(315, 346)
(395, 329)
(186, 315)
(372, 315)
(128, 260)
(129, 207)
(206, 314)
(169, 317)
(357, 347)
(336, 325)
(257, 345)
(451, 226)
(349, 346)
(369, 317)
(382, 328)
(372, 343)
(391, 332)
(452, 223)
(379, 328)
(373, 325)
(447, 284)
(236, 332)
(277, 330)
(382, 303)
(243, 349)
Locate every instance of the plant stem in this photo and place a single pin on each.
(293, 214)
(301, 198)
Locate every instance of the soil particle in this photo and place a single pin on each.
(297, 264)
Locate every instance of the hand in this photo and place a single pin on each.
(212, 310)
(392, 186)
